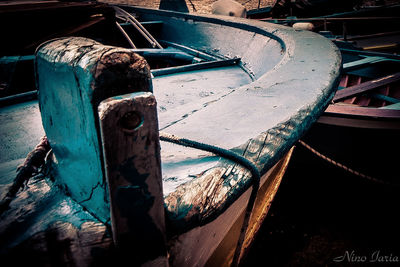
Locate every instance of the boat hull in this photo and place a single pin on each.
(223, 254)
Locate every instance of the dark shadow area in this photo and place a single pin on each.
(322, 214)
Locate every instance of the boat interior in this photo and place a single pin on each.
(162, 41)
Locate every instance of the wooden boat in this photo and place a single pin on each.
(247, 92)
(372, 28)
(362, 125)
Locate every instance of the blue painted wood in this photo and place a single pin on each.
(393, 106)
(13, 59)
(74, 75)
(386, 98)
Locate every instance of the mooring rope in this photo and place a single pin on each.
(344, 167)
(228, 154)
(33, 162)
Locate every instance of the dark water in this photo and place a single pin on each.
(323, 216)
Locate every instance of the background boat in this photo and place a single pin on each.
(363, 121)
(370, 27)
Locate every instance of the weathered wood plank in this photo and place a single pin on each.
(356, 111)
(365, 87)
(129, 134)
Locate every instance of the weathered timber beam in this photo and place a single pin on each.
(129, 134)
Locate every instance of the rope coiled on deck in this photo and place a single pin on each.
(228, 154)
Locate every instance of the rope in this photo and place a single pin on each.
(344, 167)
(33, 162)
(228, 154)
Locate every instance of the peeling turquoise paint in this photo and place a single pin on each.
(69, 123)
(74, 75)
